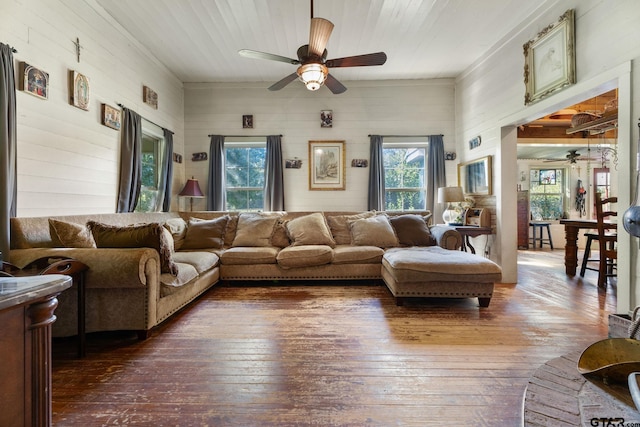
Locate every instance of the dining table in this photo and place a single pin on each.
(572, 229)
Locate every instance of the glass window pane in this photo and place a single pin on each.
(245, 177)
(404, 168)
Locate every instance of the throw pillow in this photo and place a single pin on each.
(375, 231)
(135, 236)
(255, 229)
(412, 230)
(205, 234)
(279, 237)
(310, 229)
(178, 229)
(339, 225)
(70, 235)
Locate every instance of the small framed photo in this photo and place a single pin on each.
(359, 163)
(475, 142)
(247, 121)
(80, 91)
(177, 158)
(327, 165)
(326, 118)
(293, 164)
(111, 117)
(33, 80)
(549, 59)
(199, 157)
(150, 97)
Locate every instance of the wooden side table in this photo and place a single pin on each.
(467, 231)
(59, 265)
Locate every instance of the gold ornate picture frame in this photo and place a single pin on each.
(550, 59)
(327, 168)
(475, 177)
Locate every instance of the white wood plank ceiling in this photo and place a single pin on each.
(198, 40)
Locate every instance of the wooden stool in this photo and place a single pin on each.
(538, 225)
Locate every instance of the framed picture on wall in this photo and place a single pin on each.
(150, 97)
(33, 80)
(327, 165)
(475, 177)
(111, 117)
(80, 90)
(550, 59)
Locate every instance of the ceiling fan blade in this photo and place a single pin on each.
(254, 54)
(282, 83)
(334, 85)
(319, 36)
(378, 58)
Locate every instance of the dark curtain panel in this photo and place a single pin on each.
(273, 175)
(376, 200)
(8, 174)
(436, 176)
(216, 190)
(130, 161)
(168, 180)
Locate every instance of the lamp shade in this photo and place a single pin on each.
(191, 189)
(450, 194)
(313, 75)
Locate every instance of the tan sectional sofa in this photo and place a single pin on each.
(130, 287)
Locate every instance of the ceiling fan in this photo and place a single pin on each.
(312, 58)
(572, 158)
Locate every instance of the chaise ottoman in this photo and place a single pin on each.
(436, 272)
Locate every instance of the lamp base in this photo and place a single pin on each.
(451, 217)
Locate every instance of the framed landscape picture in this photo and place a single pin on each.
(327, 165)
(550, 59)
(33, 80)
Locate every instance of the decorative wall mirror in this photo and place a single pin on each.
(475, 177)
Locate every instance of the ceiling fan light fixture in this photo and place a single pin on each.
(313, 75)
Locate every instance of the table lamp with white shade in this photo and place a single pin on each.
(448, 195)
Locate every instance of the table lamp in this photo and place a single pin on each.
(450, 195)
(192, 190)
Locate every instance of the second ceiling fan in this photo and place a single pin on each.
(312, 58)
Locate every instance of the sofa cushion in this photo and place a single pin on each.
(178, 229)
(310, 229)
(255, 229)
(201, 260)
(348, 254)
(205, 234)
(304, 256)
(246, 255)
(70, 235)
(135, 236)
(339, 225)
(412, 230)
(170, 284)
(374, 231)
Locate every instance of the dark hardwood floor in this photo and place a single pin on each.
(335, 355)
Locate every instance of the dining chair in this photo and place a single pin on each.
(606, 241)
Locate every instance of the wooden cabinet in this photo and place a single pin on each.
(26, 314)
(523, 219)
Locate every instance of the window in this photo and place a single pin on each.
(153, 153)
(602, 185)
(244, 165)
(404, 176)
(546, 195)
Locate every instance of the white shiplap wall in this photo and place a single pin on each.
(489, 96)
(67, 161)
(412, 107)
